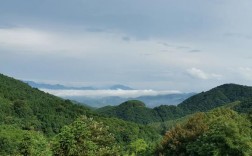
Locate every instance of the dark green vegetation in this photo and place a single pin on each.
(216, 97)
(244, 107)
(31, 109)
(218, 132)
(132, 110)
(136, 111)
(29, 116)
(216, 122)
(202, 102)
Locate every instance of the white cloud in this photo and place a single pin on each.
(105, 93)
(198, 73)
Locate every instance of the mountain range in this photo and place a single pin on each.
(137, 111)
(33, 122)
(100, 101)
(150, 101)
(63, 87)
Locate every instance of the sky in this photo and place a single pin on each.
(183, 45)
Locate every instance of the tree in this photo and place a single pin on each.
(15, 141)
(33, 143)
(84, 137)
(229, 134)
(138, 146)
(218, 132)
(176, 140)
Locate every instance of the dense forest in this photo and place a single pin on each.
(216, 122)
(136, 111)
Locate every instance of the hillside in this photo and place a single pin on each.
(245, 106)
(33, 109)
(28, 113)
(201, 102)
(132, 110)
(33, 122)
(216, 97)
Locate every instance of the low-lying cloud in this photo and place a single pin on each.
(107, 93)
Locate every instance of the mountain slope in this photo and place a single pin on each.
(132, 110)
(136, 111)
(204, 101)
(244, 106)
(33, 109)
(216, 97)
(150, 101)
(29, 109)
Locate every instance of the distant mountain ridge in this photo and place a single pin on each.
(63, 87)
(101, 101)
(55, 86)
(150, 101)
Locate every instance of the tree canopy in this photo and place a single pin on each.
(219, 132)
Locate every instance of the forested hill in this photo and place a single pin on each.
(31, 108)
(33, 122)
(204, 101)
(132, 110)
(216, 97)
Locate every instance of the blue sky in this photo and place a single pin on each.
(185, 45)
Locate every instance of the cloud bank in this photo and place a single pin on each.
(106, 93)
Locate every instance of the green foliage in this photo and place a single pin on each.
(219, 132)
(132, 110)
(139, 146)
(14, 141)
(176, 140)
(22, 109)
(28, 116)
(117, 133)
(127, 132)
(85, 137)
(245, 106)
(169, 112)
(215, 97)
(229, 134)
(31, 109)
(162, 127)
(34, 143)
(136, 111)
